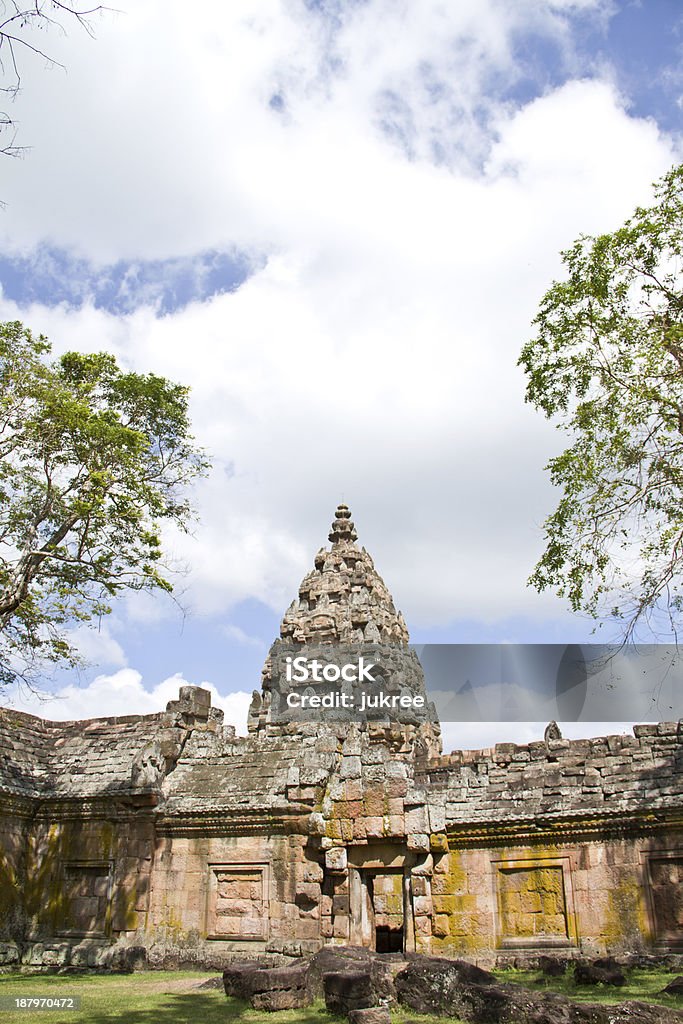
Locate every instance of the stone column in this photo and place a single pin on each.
(336, 865)
(408, 921)
(421, 889)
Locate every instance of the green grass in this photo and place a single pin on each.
(315, 1014)
(640, 984)
(117, 998)
(155, 997)
(173, 997)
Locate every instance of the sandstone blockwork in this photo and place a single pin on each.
(168, 837)
(532, 903)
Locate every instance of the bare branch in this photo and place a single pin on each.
(15, 38)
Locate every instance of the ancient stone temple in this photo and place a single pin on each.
(170, 835)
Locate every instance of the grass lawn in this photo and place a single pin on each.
(640, 984)
(176, 997)
(153, 997)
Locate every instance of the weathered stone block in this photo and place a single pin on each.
(420, 886)
(9, 953)
(374, 827)
(441, 926)
(350, 768)
(371, 1015)
(441, 864)
(279, 988)
(316, 824)
(313, 775)
(437, 818)
(346, 825)
(308, 892)
(374, 803)
(280, 999)
(359, 829)
(416, 820)
(422, 905)
(336, 859)
(423, 926)
(234, 978)
(352, 790)
(592, 974)
(313, 872)
(352, 745)
(348, 990)
(425, 866)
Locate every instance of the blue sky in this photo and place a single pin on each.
(334, 221)
(52, 276)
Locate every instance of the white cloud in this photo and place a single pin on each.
(119, 694)
(241, 637)
(174, 146)
(373, 356)
(98, 645)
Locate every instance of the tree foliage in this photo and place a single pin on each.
(20, 25)
(93, 460)
(607, 364)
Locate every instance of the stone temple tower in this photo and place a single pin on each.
(344, 601)
(163, 837)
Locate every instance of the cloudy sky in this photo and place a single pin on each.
(334, 220)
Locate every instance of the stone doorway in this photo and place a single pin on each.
(386, 896)
(379, 897)
(377, 915)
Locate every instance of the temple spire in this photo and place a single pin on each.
(343, 529)
(343, 599)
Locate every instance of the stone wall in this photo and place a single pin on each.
(13, 843)
(575, 844)
(88, 877)
(594, 896)
(199, 845)
(617, 776)
(248, 894)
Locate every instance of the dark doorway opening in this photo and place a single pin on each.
(388, 940)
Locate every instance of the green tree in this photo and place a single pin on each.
(607, 364)
(93, 460)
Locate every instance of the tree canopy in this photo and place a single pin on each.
(606, 364)
(93, 460)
